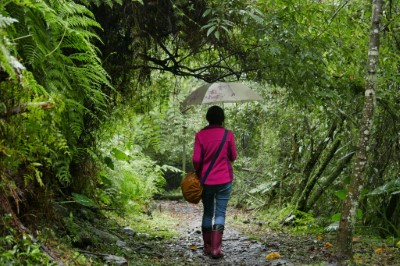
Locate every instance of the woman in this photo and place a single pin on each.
(218, 184)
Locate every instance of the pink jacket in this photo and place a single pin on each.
(206, 144)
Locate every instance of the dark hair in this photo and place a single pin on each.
(215, 115)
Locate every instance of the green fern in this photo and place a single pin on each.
(62, 171)
(55, 40)
(8, 62)
(6, 21)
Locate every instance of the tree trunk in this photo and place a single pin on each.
(329, 180)
(302, 205)
(299, 198)
(347, 221)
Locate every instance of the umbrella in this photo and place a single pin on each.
(221, 92)
(218, 92)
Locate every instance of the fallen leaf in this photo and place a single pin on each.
(328, 245)
(320, 237)
(193, 247)
(379, 250)
(273, 256)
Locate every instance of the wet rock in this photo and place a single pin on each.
(279, 262)
(115, 260)
(121, 244)
(143, 234)
(105, 236)
(128, 231)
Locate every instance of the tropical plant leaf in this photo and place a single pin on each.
(391, 187)
(341, 194)
(336, 217)
(83, 200)
(119, 155)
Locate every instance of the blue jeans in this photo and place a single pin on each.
(215, 200)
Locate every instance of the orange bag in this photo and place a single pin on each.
(191, 188)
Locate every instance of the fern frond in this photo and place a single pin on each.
(30, 82)
(55, 40)
(54, 78)
(7, 61)
(62, 171)
(6, 21)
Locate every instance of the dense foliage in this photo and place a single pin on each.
(51, 98)
(91, 91)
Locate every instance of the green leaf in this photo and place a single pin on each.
(341, 194)
(210, 30)
(208, 11)
(217, 34)
(392, 187)
(83, 200)
(105, 180)
(225, 29)
(119, 155)
(359, 214)
(336, 217)
(256, 18)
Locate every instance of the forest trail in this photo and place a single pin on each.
(169, 234)
(238, 248)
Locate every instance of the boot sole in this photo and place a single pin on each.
(217, 256)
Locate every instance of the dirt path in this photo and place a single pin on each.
(143, 246)
(238, 249)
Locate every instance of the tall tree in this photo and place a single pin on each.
(348, 218)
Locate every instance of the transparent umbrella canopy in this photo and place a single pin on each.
(218, 92)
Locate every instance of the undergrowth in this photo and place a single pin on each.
(19, 248)
(305, 234)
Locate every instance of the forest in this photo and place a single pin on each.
(91, 116)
